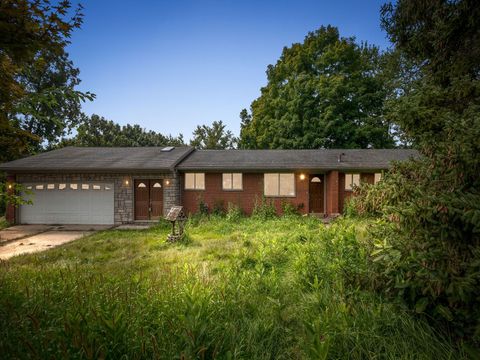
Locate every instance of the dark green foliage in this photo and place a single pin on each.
(203, 207)
(98, 131)
(428, 241)
(327, 92)
(445, 33)
(51, 106)
(213, 137)
(218, 208)
(38, 100)
(234, 212)
(288, 209)
(264, 209)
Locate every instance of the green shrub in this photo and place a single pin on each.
(164, 224)
(234, 212)
(203, 208)
(218, 208)
(427, 243)
(264, 209)
(288, 209)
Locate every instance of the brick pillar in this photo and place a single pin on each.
(171, 192)
(341, 191)
(333, 193)
(10, 210)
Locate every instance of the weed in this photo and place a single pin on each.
(234, 212)
(264, 209)
(265, 288)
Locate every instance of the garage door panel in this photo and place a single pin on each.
(68, 206)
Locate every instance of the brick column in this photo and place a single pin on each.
(10, 210)
(333, 185)
(171, 193)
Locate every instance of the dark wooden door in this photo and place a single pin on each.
(316, 190)
(148, 199)
(142, 199)
(156, 199)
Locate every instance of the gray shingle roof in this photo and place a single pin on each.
(122, 159)
(97, 159)
(321, 159)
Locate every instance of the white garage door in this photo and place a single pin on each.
(68, 203)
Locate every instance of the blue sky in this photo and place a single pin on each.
(171, 65)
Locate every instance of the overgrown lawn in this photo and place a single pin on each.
(246, 289)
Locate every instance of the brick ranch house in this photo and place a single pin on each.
(77, 185)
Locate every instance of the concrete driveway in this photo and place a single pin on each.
(22, 239)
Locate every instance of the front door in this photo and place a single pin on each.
(148, 199)
(316, 190)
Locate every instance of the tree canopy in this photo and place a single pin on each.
(428, 250)
(326, 92)
(98, 131)
(38, 100)
(213, 137)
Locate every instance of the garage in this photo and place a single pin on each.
(68, 203)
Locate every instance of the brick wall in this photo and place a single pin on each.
(333, 183)
(123, 193)
(245, 199)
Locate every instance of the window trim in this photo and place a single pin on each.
(231, 179)
(278, 195)
(195, 188)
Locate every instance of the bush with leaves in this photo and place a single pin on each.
(264, 209)
(427, 243)
(234, 212)
(289, 209)
(428, 236)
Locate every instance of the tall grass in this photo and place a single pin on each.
(3, 223)
(242, 289)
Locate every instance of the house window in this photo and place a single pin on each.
(195, 181)
(157, 185)
(351, 180)
(96, 187)
(73, 186)
(85, 186)
(50, 186)
(378, 177)
(62, 186)
(232, 181)
(279, 184)
(39, 187)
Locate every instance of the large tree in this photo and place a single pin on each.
(38, 100)
(213, 137)
(326, 92)
(429, 248)
(98, 131)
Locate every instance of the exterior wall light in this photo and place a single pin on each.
(9, 186)
(167, 182)
(302, 176)
(126, 182)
